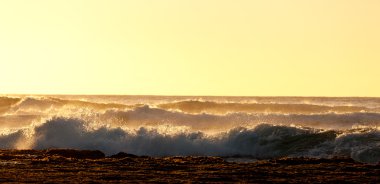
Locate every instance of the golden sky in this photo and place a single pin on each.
(191, 47)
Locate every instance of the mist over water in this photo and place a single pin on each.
(260, 127)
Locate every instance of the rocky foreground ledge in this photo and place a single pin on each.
(74, 166)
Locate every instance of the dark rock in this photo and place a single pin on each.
(54, 166)
(302, 160)
(123, 155)
(7, 157)
(342, 159)
(79, 154)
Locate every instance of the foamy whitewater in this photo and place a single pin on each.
(254, 127)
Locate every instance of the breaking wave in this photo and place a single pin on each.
(262, 141)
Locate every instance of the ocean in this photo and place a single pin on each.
(244, 127)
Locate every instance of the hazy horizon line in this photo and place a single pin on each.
(247, 96)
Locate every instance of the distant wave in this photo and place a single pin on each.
(33, 105)
(24, 111)
(6, 103)
(222, 108)
(261, 141)
(154, 116)
(40, 105)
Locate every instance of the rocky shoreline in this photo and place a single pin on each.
(83, 166)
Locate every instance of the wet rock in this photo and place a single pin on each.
(302, 160)
(63, 166)
(7, 157)
(123, 155)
